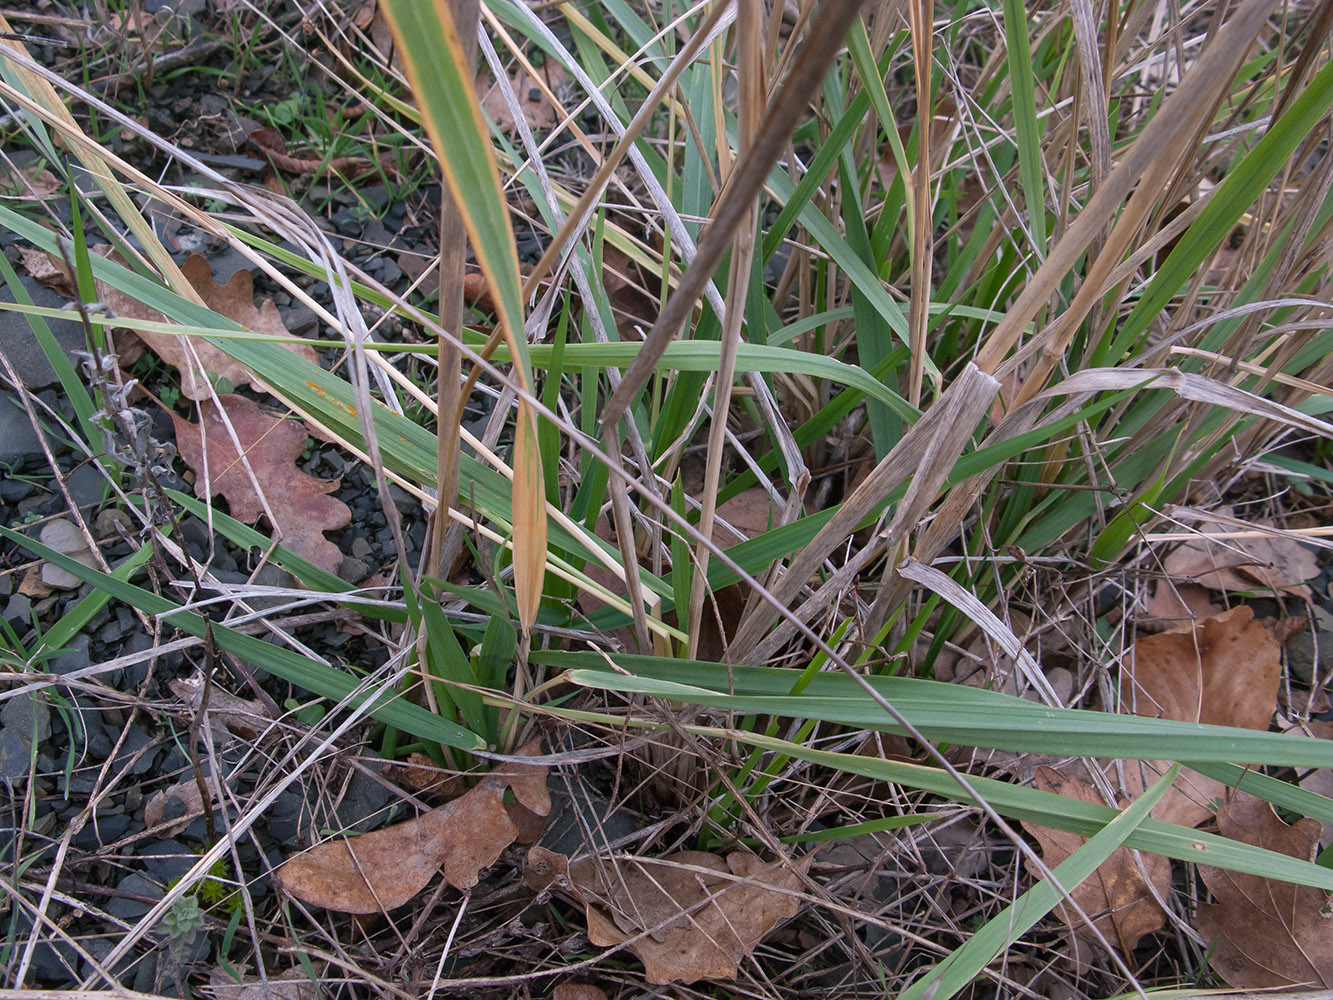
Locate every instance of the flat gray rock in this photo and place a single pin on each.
(18, 439)
(19, 343)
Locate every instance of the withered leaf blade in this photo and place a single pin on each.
(1116, 896)
(1268, 933)
(682, 915)
(302, 510)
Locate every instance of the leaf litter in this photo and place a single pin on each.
(377, 872)
(301, 509)
(235, 300)
(687, 916)
(1268, 933)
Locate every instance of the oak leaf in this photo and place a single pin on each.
(1269, 934)
(299, 503)
(1224, 671)
(1266, 563)
(1116, 896)
(687, 916)
(235, 300)
(376, 872)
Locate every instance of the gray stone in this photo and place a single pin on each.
(14, 757)
(73, 657)
(168, 860)
(361, 548)
(19, 443)
(360, 807)
(584, 821)
(85, 485)
(353, 570)
(19, 610)
(133, 884)
(1301, 659)
(27, 718)
(19, 344)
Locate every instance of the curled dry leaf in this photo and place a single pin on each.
(228, 714)
(301, 509)
(234, 300)
(687, 916)
(577, 991)
(1223, 672)
(421, 775)
(1116, 896)
(1269, 934)
(1176, 604)
(170, 810)
(379, 871)
(269, 142)
(1266, 562)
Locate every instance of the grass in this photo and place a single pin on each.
(975, 296)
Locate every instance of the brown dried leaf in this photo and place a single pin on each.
(1266, 563)
(1116, 896)
(421, 775)
(681, 915)
(234, 300)
(32, 181)
(540, 113)
(577, 991)
(293, 984)
(185, 791)
(527, 781)
(301, 509)
(1223, 672)
(1176, 604)
(1268, 933)
(269, 142)
(379, 871)
(243, 717)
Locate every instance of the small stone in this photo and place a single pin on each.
(27, 718)
(73, 657)
(361, 549)
(133, 884)
(63, 536)
(85, 485)
(353, 570)
(14, 757)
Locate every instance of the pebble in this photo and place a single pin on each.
(14, 757)
(26, 718)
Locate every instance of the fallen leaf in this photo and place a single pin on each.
(228, 714)
(539, 113)
(65, 537)
(1264, 563)
(1320, 779)
(270, 143)
(1223, 672)
(1268, 933)
(681, 915)
(301, 509)
(1174, 604)
(32, 181)
(424, 777)
(379, 871)
(234, 300)
(1116, 896)
(577, 991)
(166, 820)
(292, 984)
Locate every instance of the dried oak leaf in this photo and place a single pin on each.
(1176, 604)
(540, 113)
(1223, 671)
(301, 509)
(684, 915)
(234, 300)
(1268, 933)
(379, 871)
(1266, 562)
(1116, 896)
(293, 984)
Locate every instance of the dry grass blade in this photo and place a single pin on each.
(784, 111)
(529, 518)
(1144, 166)
(943, 430)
